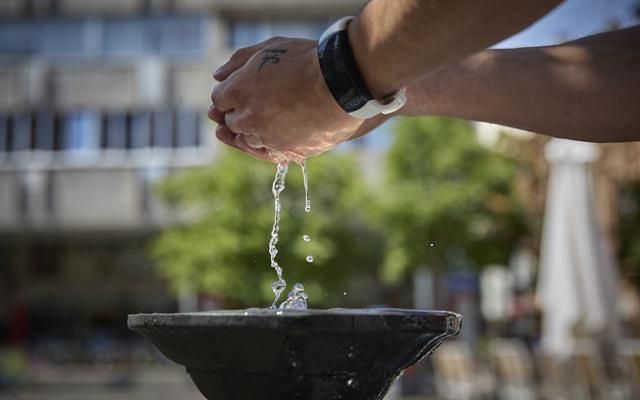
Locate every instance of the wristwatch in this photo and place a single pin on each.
(344, 80)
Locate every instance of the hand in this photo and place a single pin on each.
(273, 103)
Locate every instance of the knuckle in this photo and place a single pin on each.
(243, 124)
(231, 92)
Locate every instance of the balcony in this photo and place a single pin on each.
(106, 86)
(13, 82)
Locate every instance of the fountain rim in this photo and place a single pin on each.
(448, 322)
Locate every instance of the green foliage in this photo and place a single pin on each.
(223, 251)
(629, 230)
(444, 188)
(441, 187)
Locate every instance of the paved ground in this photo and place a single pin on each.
(144, 392)
(87, 383)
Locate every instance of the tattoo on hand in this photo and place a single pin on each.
(272, 56)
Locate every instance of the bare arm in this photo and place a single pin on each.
(588, 89)
(267, 108)
(397, 42)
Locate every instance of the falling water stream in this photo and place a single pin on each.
(297, 298)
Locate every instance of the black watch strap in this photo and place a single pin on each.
(341, 73)
(343, 77)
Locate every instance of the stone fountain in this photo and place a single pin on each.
(264, 354)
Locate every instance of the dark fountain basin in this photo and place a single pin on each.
(264, 354)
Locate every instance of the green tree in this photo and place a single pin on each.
(445, 194)
(223, 251)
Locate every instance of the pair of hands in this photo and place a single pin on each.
(272, 103)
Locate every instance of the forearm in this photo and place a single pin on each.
(399, 41)
(588, 89)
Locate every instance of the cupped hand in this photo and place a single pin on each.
(272, 102)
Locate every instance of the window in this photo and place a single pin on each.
(121, 37)
(44, 131)
(81, 131)
(4, 134)
(116, 131)
(141, 130)
(243, 33)
(65, 38)
(175, 36)
(187, 134)
(19, 38)
(21, 132)
(84, 133)
(163, 129)
(247, 32)
(170, 36)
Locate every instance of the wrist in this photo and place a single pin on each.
(375, 76)
(344, 79)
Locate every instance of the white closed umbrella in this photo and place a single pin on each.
(577, 281)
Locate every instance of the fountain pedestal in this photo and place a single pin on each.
(264, 354)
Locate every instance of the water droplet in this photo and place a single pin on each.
(350, 355)
(352, 383)
(309, 259)
(344, 293)
(279, 312)
(431, 244)
(307, 208)
(306, 238)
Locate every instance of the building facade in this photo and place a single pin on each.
(100, 100)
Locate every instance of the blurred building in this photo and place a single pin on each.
(99, 100)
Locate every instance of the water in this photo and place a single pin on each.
(297, 299)
(305, 181)
(307, 203)
(277, 188)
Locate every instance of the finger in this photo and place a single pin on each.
(237, 60)
(260, 153)
(218, 98)
(226, 136)
(233, 121)
(215, 115)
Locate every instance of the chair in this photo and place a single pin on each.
(457, 376)
(513, 369)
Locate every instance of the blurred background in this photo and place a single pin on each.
(115, 198)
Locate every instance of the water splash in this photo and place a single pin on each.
(277, 188)
(297, 299)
